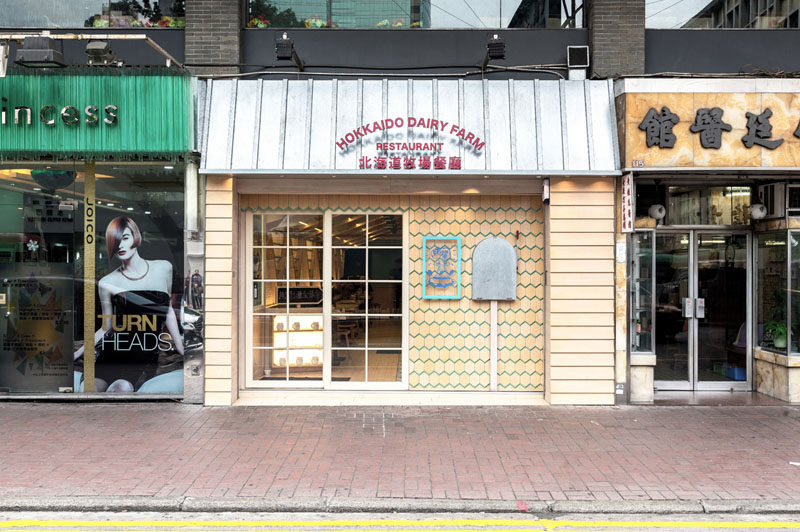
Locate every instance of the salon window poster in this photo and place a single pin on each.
(142, 318)
(36, 330)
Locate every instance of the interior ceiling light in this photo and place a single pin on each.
(40, 52)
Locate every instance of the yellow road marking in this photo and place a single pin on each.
(27, 525)
(269, 523)
(560, 525)
(318, 528)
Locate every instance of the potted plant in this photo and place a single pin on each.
(314, 22)
(777, 330)
(259, 21)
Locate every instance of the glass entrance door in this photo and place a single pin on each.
(702, 319)
(721, 314)
(673, 329)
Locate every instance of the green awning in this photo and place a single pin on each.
(95, 113)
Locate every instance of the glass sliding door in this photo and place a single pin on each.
(723, 288)
(702, 320)
(366, 297)
(673, 332)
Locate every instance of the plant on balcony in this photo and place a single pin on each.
(259, 21)
(262, 11)
(136, 14)
(395, 23)
(170, 22)
(315, 22)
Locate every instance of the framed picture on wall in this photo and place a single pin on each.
(441, 267)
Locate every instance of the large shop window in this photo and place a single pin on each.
(779, 291)
(144, 321)
(754, 14)
(399, 14)
(321, 322)
(93, 14)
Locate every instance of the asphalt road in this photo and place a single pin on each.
(292, 522)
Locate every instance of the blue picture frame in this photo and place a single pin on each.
(441, 275)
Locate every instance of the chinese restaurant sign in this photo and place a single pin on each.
(413, 144)
(712, 130)
(94, 113)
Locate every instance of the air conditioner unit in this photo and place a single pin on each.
(793, 200)
(773, 196)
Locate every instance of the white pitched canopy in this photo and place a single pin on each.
(327, 126)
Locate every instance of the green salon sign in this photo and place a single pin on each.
(95, 113)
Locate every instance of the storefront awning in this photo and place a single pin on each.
(473, 127)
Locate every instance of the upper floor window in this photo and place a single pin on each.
(93, 14)
(489, 14)
(753, 14)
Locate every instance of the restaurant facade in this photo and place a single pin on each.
(426, 241)
(708, 211)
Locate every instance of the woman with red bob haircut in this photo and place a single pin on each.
(138, 320)
(115, 230)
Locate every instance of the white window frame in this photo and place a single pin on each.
(327, 257)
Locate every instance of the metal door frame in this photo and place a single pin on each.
(739, 386)
(678, 385)
(693, 383)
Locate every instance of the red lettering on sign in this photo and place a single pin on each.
(433, 124)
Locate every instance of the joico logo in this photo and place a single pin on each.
(48, 114)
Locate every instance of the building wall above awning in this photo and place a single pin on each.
(325, 126)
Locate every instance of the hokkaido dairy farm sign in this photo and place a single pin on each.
(410, 144)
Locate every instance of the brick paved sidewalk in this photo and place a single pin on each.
(505, 453)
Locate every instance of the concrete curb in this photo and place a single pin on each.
(91, 504)
(382, 505)
(767, 506)
(627, 507)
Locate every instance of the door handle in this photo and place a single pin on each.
(687, 307)
(700, 307)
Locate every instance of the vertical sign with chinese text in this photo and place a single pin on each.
(626, 205)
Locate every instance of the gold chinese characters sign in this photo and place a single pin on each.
(664, 130)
